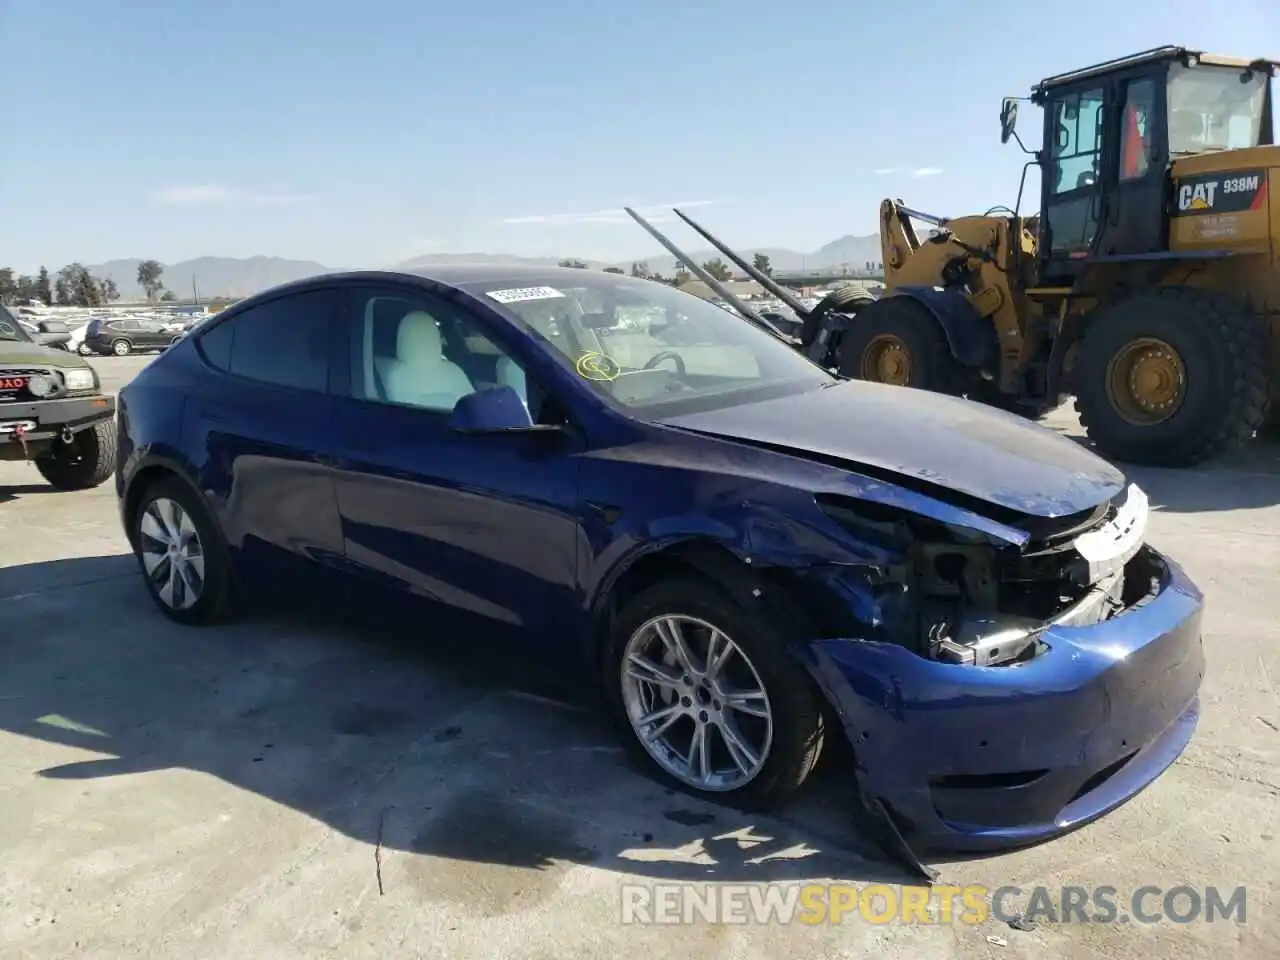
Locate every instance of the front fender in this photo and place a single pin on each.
(969, 335)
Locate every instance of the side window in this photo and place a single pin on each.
(284, 342)
(1077, 146)
(1135, 134)
(416, 351)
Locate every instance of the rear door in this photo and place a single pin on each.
(262, 424)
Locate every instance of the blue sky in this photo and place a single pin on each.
(363, 133)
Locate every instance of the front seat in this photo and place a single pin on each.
(510, 375)
(420, 375)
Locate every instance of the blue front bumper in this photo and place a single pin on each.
(982, 758)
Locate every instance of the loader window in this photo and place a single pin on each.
(1135, 143)
(1215, 108)
(1077, 146)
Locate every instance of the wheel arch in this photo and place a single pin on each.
(775, 592)
(151, 470)
(970, 337)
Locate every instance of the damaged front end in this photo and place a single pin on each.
(963, 596)
(1000, 686)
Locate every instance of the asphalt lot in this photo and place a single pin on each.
(289, 787)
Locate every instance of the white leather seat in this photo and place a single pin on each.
(420, 375)
(510, 375)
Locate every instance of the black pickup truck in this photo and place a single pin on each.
(53, 412)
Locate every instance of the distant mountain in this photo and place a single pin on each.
(233, 277)
(851, 250)
(212, 276)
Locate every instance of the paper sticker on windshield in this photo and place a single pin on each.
(521, 294)
(598, 367)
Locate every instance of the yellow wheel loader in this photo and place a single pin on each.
(1147, 285)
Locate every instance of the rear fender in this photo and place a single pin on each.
(970, 337)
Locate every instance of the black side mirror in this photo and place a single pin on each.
(1008, 118)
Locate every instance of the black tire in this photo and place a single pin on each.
(215, 604)
(121, 347)
(847, 300)
(932, 365)
(798, 721)
(1225, 352)
(87, 461)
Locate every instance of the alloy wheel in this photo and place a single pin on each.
(696, 703)
(172, 554)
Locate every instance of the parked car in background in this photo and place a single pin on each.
(122, 336)
(747, 554)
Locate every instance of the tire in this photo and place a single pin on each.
(797, 719)
(87, 461)
(847, 300)
(121, 348)
(1224, 351)
(910, 325)
(84, 350)
(213, 603)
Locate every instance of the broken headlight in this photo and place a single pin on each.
(956, 595)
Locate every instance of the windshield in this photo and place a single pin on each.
(10, 328)
(1215, 108)
(650, 347)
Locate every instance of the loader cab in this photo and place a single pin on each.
(1110, 134)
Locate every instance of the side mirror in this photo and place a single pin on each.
(1008, 118)
(499, 410)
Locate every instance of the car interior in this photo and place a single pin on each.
(427, 358)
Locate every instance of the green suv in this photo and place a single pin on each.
(53, 412)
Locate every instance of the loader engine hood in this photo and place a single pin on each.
(925, 440)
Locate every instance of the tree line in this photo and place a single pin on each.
(75, 286)
(717, 268)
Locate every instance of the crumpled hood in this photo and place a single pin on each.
(963, 446)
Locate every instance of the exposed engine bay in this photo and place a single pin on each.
(957, 597)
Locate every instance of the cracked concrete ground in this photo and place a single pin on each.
(290, 787)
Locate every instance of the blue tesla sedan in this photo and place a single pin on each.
(749, 555)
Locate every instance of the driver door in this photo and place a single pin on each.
(469, 535)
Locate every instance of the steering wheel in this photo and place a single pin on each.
(657, 358)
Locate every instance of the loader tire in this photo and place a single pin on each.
(848, 300)
(897, 340)
(1172, 377)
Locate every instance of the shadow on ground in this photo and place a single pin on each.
(10, 492)
(405, 743)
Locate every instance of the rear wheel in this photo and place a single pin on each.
(87, 461)
(708, 698)
(121, 348)
(1172, 376)
(898, 341)
(184, 564)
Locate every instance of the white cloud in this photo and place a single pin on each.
(918, 172)
(215, 194)
(654, 213)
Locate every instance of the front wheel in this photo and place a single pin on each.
(709, 699)
(1172, 376)
(87, 461)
